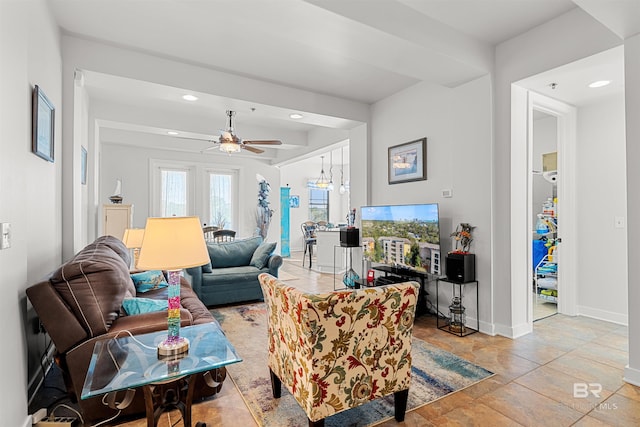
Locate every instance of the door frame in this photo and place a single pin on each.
(523, 103)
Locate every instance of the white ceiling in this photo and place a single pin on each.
(352, 49)
(572, 80)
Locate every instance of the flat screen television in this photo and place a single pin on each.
(406, 236)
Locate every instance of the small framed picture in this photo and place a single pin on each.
(408, 162)
(42, 143)
(294, 201)
(83, 165)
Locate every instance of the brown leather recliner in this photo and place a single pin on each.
(81, 303)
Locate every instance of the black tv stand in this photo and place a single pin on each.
(398, 274)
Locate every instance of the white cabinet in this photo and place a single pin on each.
(326, 241)
(115, 219)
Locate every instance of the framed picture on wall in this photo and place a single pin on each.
(43, 118)
(294, 201)
(408, 161)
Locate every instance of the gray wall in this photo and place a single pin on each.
(569, 37)
(30, 189)
(458, 158)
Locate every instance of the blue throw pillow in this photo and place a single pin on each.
(149, 280)
(143, 305)
(262, 254)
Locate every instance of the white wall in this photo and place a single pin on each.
(131, 165)
(569, 37)
(296, 176)
(458, 158)
(632, 112)
(30, 55)
(601, 197)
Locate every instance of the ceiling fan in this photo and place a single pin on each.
(229, 142)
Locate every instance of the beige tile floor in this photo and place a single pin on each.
(533, 385)
(542, 308)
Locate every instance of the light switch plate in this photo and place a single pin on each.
(447, 193)
(619, 222)
(5, 235)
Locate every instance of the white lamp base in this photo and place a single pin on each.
(173, 348)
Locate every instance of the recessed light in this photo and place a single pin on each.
(172, 132)
(189, 97)
(599, 83)
(296, 116)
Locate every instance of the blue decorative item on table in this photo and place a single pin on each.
(349, 278)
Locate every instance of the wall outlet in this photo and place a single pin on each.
(5, 235)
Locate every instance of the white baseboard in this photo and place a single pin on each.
(513, 331)
(607, 316)
(632, 375)
(487, 328)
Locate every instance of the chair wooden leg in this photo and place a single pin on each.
(319, 423)
(400, 402)
(276, 385)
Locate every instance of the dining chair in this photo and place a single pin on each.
(309, 229)
(224, 235)
(208, 231)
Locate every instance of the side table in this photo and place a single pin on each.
(445, 324)
(130, 361)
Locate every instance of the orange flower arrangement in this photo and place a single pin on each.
(463, 239)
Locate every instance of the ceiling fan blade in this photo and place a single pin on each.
(209, 148)
(212, 140)
(264, 142)
(253, 149)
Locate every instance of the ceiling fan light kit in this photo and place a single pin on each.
(230, 147)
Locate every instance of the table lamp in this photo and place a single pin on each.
(172, 244)
(133, 240)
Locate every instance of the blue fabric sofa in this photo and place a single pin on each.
(232, 273)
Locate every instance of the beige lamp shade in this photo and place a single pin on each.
(173, 243)
(133, 237)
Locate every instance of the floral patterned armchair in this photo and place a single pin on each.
(338, 350)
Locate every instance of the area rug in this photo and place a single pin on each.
(435, 373)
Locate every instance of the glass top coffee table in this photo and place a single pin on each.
(127, 362)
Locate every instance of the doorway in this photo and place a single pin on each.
(544, 196)
(524, 103)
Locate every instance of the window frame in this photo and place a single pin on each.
(312, 187)
(206, 202)
(197, 185)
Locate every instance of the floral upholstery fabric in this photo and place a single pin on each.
(338, 350)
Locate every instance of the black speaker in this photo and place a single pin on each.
(350, 237)
(461, 268)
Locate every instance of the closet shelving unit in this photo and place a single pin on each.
(546, 271)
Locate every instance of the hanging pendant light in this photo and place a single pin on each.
(330, 186)
(322, 181)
